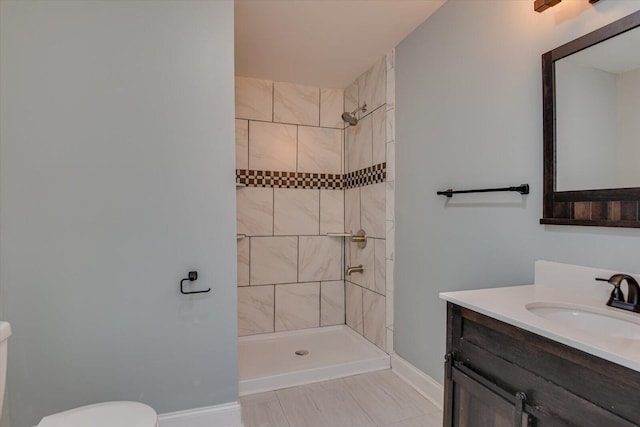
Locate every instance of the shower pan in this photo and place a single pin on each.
(286, 359)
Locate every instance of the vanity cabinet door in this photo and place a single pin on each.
(475, 402)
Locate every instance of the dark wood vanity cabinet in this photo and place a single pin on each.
(500, 375)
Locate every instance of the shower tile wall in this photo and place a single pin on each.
(290, 274)
(390, 241)
(369, 204)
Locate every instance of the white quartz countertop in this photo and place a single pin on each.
(509, 305)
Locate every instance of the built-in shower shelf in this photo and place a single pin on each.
(240, 185)
(240, 236)
(360, 237)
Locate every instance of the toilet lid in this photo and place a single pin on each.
(108, 414)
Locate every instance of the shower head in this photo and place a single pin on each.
(350, 117)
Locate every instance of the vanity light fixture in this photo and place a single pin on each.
(542, 5)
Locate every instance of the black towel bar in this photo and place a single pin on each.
(522, 189)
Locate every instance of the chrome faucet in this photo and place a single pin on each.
(354, 269)
(617, 296)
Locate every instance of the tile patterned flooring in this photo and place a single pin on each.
(375, 399)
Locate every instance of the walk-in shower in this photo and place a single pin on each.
(303, 191)
(350, 117)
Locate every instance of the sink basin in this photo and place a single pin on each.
(589, 319)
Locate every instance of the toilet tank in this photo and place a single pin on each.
(5, 331)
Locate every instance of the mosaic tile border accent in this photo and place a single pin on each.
(313, 181)
(367, 176)
(279, 179)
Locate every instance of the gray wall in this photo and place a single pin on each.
(116, 172)
(469, 114)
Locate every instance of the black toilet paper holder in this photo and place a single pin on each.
(191, 277)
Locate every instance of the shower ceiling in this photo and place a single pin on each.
(325, 43)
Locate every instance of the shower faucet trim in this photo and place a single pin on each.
(360, 238)
(354, 269)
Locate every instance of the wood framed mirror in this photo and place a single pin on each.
(591, 120)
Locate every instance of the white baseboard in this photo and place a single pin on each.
(423, 383)
(224, 415)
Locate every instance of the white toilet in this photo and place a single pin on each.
(108, 414)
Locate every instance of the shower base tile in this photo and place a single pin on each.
(268, 362)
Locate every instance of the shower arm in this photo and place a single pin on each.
(363, 109)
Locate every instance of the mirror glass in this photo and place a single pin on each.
(598, 115)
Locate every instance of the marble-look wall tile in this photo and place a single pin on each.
(274, 260)
(391, 88)
(390, 202)
(391, 59)
(358, 141)
(273, 146)
(332, 303)
(373, 211)
(254, 99)
(389, 275)
(389, 309)
(297, 104)
(254, 211)
(374, 318)
(347, 256)
(351, 98)
(319, 150)
(255, 310)
(353, 302)
(297, 306)
(320, 258)
(299, 215)
(372, 85)
(350, 162)
(365, 257)
(379, 140)
(352, 210)
(243, 262)
(331, 211)
(391, 125)
(390, 196)
(391, 161)
(379, 262)
(331, 108)
(296, 211)
(242, 144)
(391, 239)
